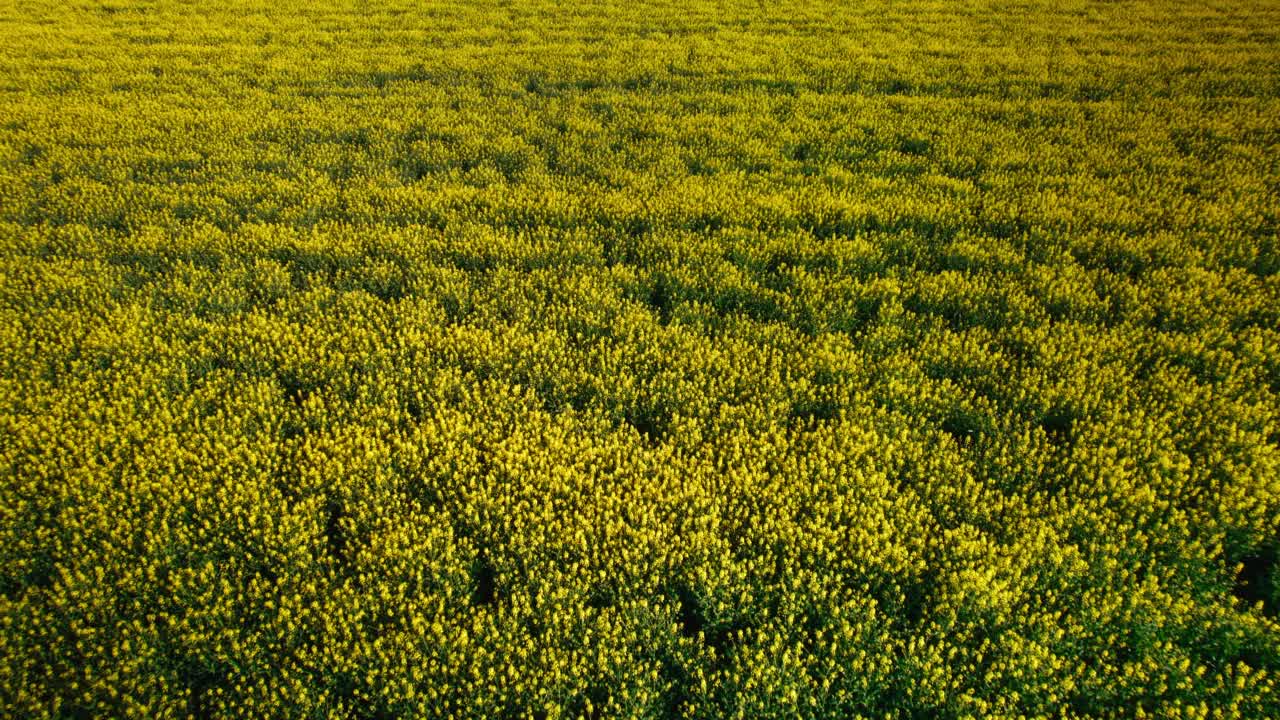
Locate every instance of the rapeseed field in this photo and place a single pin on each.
(549, 360)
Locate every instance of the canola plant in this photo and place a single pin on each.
(550, 360)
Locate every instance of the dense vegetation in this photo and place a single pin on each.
(557, 360)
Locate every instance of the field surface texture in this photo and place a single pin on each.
(567, 360)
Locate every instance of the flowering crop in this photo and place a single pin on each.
(641, 360)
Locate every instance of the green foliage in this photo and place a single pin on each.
(563, 360)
